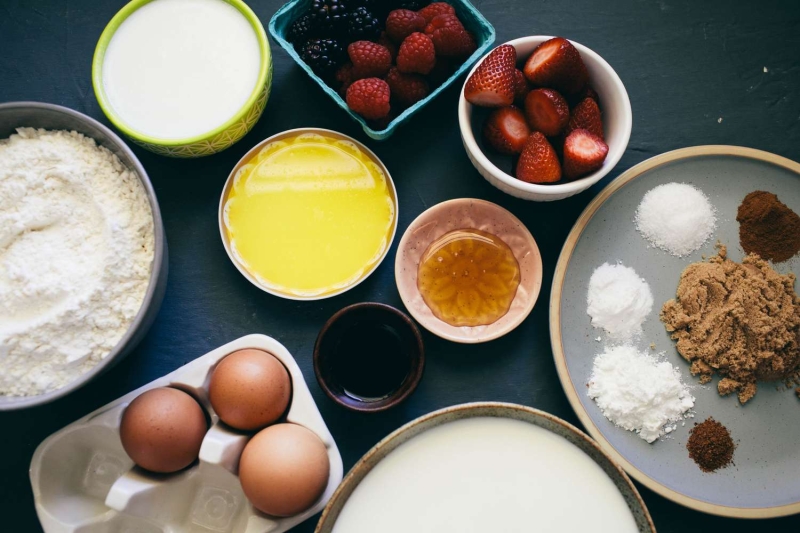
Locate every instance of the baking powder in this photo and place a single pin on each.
(618, 300)
(76, 252)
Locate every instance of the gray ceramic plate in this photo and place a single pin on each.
(763, 482)
(485, 409)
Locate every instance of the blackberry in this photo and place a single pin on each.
(363, 25)
(329, 17)
(379, 8)
(301, 30)
(323, 55)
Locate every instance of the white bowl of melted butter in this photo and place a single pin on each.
(308, 214)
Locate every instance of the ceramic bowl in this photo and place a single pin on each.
(546, 421)
(330, 334)
(207, 143)
(617, 122)
(247, 157)
(459, 214)
(469, 16)
(52, 117)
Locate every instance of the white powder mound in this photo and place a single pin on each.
(676, 217)
(618, 301)
(76, 252)
(638, 392)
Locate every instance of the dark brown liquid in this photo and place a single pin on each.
(369, 361)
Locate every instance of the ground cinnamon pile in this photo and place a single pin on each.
(767, 227)
(710, 445)
(738, 320)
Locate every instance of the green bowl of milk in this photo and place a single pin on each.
(183, 78)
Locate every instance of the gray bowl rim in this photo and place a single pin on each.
(22, 402)
(465, 410)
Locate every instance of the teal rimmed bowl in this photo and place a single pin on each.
(469, 16)
(208, 143)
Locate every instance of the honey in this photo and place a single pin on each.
(309, 215)
(468, 277)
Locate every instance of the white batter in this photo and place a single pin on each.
(483, 475)
(176, 69)
(76, 252)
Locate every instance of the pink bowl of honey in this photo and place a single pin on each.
(308, 214)
(468, 270)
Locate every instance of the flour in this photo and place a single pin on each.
(676, 217)
(76, 252)
(618, 301)
(638, 392)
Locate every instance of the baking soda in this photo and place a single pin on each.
(676, 217)
(619, 301)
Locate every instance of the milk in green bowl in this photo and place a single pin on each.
(184, 78)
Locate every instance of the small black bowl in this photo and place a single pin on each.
(347, 322)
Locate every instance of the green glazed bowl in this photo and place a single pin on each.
(201, 145)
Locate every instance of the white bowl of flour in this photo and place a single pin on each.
(82, 252)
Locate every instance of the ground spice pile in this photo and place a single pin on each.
(739, 320)
(710, 445)
(767, 227)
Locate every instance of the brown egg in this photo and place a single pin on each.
(162, 430)
(284, 469)
(250, 389)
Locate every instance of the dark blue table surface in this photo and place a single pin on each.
(686, 65)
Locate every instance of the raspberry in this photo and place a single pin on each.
(387, 43)
(370, 60)
(345, 77)
(417, 54)
(369, 98)
(436, 8)
(450, 37)
(407, 89)
(402, 22)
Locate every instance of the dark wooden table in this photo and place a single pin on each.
(710, 72)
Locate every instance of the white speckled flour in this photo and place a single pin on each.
(76, 251)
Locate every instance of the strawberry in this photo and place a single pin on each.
(387, 43)
(403, 22)
(370, 60)
(521, 87)
(547, 111)
(450, 37)
(557, 64)
(584, 152)
(538, 162)
(505, 130)
(407, 89)
(492, 83)
(416, 54)
(586, 116)
(369, 97)
(437, 8)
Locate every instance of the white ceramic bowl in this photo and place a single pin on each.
(617, 121)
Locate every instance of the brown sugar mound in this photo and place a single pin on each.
(767, 227)
(738, 320)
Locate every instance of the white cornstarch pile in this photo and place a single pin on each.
(638, 392)
(618, 301)
(76, 251)
(676, 217)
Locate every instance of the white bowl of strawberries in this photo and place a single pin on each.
(543, 118)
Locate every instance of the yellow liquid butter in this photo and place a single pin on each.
(309, 215)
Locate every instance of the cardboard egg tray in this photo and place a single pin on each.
(84, 482)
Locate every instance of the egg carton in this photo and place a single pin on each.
(84, 482)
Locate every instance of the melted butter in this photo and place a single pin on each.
(309, 215)
(468, 277)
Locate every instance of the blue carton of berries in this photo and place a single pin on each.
(382, 60)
